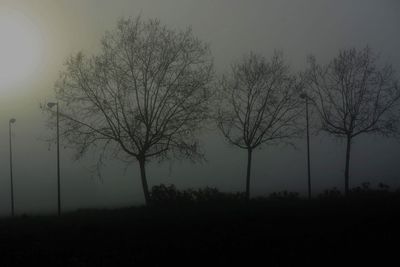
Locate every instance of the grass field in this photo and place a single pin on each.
(277, 231)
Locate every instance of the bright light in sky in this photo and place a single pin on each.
(21, 49)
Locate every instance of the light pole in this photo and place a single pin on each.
(51, 105)
(305, 96)
(11, 121)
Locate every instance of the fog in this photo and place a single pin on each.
(232, 28)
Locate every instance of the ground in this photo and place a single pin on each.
(264, 232)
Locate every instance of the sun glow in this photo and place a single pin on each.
(21, 49)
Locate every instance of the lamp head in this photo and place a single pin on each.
(51, 104)
(12, 120)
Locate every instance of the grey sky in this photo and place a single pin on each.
(232, 28)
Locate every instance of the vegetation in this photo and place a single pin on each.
(167, 195)
(259, 105)
(354, 96)
(144, 96)
(280, 230)
(148, 92)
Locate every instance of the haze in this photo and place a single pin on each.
(232, 28)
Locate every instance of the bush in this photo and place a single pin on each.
(365, 190)
(331, 193)
(169, 194)
(284, 195)
(164, 193)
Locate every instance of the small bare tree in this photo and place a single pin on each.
(259, 105)
(143, 96)
(353, 96)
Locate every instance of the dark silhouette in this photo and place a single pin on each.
(305, 97)
(354, 96)
(170, 195)
(284, 195)
(51, 105)
(143, 96)
(11, 121)
(203, 226)
(259, 105)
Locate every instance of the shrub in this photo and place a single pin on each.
(169, 194)
(331, 193)
(284, 195)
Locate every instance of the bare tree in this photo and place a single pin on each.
(259, 105)
(353, 96)
(144, 95)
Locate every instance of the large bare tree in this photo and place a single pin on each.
(259, 105)
(354, 96)
(143, 95)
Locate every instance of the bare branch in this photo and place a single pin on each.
(259, 102)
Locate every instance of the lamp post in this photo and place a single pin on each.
(51, 105)
(11, 121)
(305, 96)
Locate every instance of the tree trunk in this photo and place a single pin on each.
(249, 151)
(347, 169)
(144, 180)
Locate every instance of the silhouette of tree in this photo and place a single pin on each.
(259, 104)
(354, 96)
(143, 95)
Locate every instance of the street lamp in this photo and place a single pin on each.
(11, 121)
(306, 97)
(51, 105)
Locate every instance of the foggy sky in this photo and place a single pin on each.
(232, 28)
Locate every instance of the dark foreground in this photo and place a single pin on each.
(269, 232)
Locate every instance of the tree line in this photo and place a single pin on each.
(151, 89)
